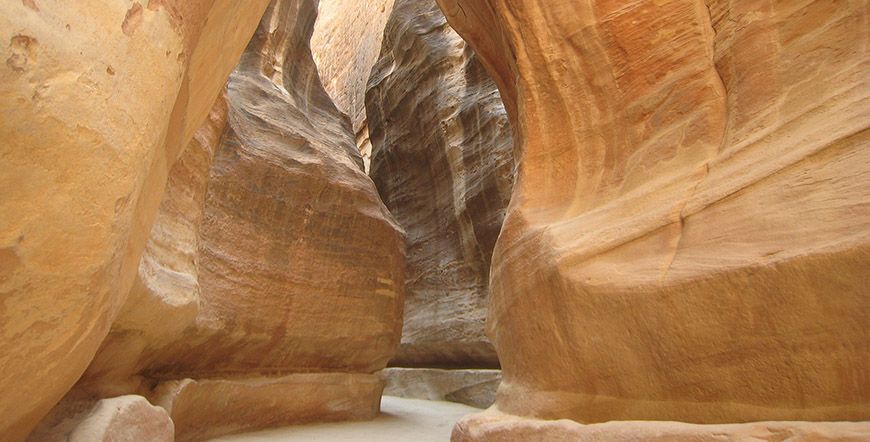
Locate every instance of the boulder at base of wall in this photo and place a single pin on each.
(492, 426)
(689, 233)
(128, 418)
(213, 407)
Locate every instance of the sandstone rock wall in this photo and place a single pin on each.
(300, 262)
(689, 235)
(345, 44)
(98, 98)
(272, 255)
(443, 165)
(167, 285)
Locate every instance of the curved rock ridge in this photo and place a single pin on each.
(98, 99)
(167, 285)
(284, 258)
(689, 235)
(300, 263)
(442, 162)
(345, 44)
(271, 256)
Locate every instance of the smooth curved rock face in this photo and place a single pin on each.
(300, 264)
(345, 44)
(98, 98)
(167, 284)
(271, 254)
(283, 259)
(442, 162)
(689, 235)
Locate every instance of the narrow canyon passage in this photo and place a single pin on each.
(467, 220)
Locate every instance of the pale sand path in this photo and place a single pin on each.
(400, 420)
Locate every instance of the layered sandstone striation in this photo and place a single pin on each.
(128, 418)
(209, 408)
(442, 162)
(89, 133)
(167, 284)
(233, 290)
(300, 264)
(345, 45)
(689, 235)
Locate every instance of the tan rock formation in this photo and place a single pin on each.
(167, 284)
(299, 261)
(128, 418)
(98, 98)
(689, 235)
(209, 408)
(272, 253)
(492, 426)
(442, 163)
(465, 386)
(345, 45)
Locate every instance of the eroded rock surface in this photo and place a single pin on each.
(345, 45)
(127, 418)
(167, 285)
(443, 165)
(98, 98)
(287, 200)
(271, 255)
(689, 235)
(209, 408)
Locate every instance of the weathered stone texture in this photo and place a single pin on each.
(271, 252)
(127, 418)
(345, 44)
(98, 98)
(443, 164)
(300, 264)
(214, 407)
(167, 285)
(689, 235)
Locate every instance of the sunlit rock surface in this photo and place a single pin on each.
(98, 98)
(442, 162)
(271, 255)
(689, 235)
(345, 44)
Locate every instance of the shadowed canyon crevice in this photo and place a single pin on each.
(221, 216)
(441, 159)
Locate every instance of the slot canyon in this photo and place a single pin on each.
(423, 220)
